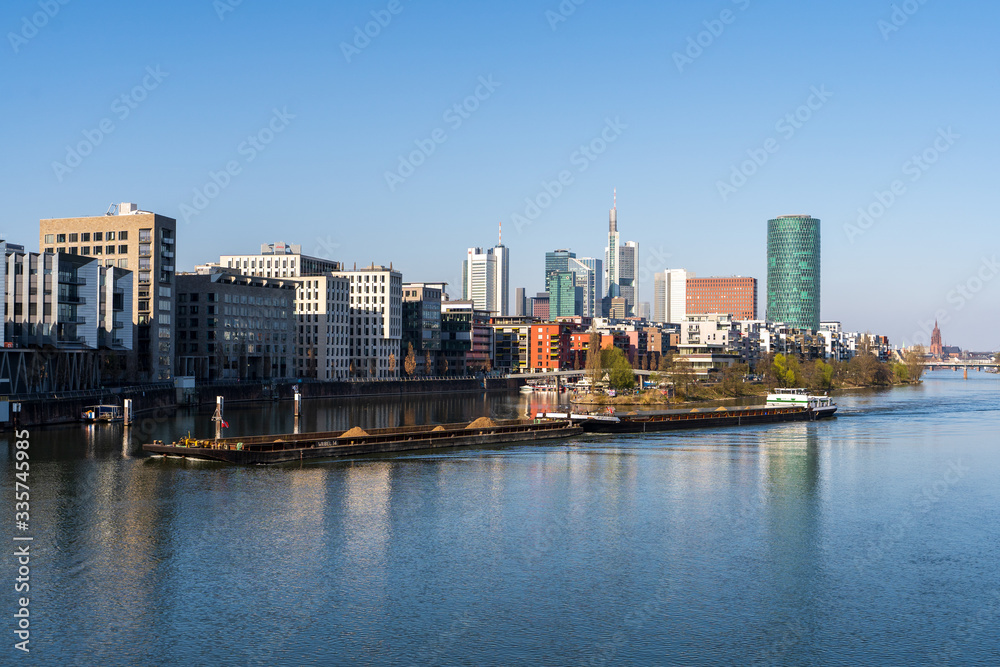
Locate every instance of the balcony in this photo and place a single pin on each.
(75, 319)
(68, 298)
(168, 241)
(70, 279)
(167, 254)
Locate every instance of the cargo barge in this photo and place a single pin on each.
(650, 422)
(334, 444)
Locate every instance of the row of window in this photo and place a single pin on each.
(85, 237)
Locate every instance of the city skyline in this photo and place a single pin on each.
(854, 138)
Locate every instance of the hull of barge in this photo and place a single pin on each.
(681, 419)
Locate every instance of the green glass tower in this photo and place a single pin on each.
(793, 271)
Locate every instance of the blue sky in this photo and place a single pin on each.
(201, 78)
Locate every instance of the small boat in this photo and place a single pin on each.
(93, 414)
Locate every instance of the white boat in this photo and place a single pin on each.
(801, 397)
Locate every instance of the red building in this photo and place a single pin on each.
(549, 348)
(736, 296)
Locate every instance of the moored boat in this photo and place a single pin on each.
(93, 414)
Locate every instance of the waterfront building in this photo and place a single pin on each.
(279, 260)
(143, 243)
(793, 271)
(670, 296)
(735, 295)
(550, 347)
(466, 338)
(233, 326)
(67, 321)
(511, 336)
(422, 325)
(374, 321)
(322, 335)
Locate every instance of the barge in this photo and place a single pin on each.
(334, 444)
(650, 422)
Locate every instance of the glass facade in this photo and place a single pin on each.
(793, 271)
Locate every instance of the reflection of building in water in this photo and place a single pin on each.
(365, 531)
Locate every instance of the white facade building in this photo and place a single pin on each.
(375, 321)
(322, 312)
(279, 260)
(486, 279)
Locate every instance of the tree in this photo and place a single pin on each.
(489, 365)
(594, 356)
(444, 366)
(732, 379)
(914, 359)
(621, 375)
(786, 370)
(392, 364)
(427, 363)
(410, 362)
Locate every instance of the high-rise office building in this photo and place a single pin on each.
(486, 278)
(596, 266)
(793, 271)
(660, 297)
(520, 303)
(565, 297)
(143, 243)
(670, 296)
(628, 283)
(611, 265)
(736, 296)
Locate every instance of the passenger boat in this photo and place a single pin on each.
(93, 414)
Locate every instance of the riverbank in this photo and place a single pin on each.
(66, 408)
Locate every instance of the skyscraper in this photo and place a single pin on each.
(486, 278)
(793, 271)
(628, 284)
(735, 295)
(660, 297)
(596, 267)
(612, 275)
(670, 290)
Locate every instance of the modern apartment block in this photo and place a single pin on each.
(511, 336)
(322, 330)
(143, 243)
(422, 324)
(466, 338)
(793, 271)
(735, 295)
(73, 308)
(549, 348)
(280, 260)
(375, 321)
(232, 326)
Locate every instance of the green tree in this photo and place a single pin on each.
(410, 362)
(786, 370)
(621, 375)
(914, 359)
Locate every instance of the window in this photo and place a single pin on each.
(50, 238)
(85, 250)
(194, 309)
(85, 237)
(98, 250)
(110, 250)
(110, 236)
(123, 236)
(73, 238)
(60, 238)
(123, 250)
(98, 236)
(122, 263)
(73, 250)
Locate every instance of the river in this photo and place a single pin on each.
(869, 539)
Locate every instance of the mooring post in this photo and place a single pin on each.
(217, 417)
(127, 416)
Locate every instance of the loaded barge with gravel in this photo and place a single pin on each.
(356, 442)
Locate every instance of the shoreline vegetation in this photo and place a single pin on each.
(863, 371)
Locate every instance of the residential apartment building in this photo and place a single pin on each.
(143, 243)
(736, 295)
(375, 321)
(71, 306)
(322, 330)
(233, 326)
(280, 260)
(466, 338)
(511, 336)
(422, 324)
(550, 348)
